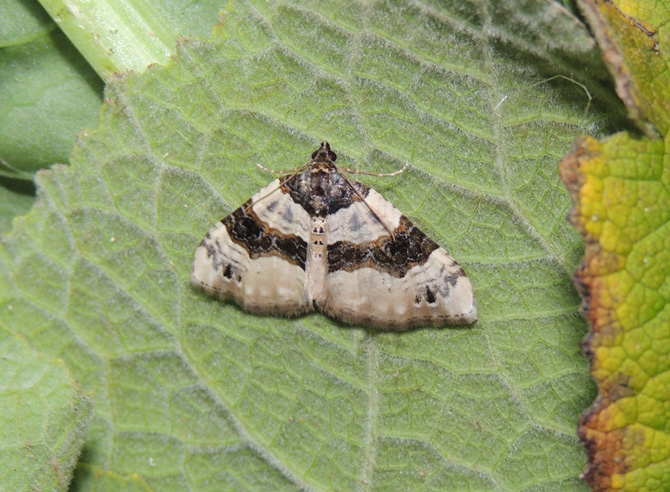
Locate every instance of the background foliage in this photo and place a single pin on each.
(188, 392)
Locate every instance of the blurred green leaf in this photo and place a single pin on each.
(16, 199)
(23, 21)
(48, 93)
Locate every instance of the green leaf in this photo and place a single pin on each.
(47, 94)
(633, 37)
(95, 481)
(619, 188)
(15, 200)
(194, 393)
(43, 418)
(48, 91)
(621, 208)
(23, 21)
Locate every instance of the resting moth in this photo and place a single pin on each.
(317, 240)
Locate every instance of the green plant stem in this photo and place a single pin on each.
(113, 35)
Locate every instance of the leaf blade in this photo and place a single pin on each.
(309, 403)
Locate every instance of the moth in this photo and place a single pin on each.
(316, 240)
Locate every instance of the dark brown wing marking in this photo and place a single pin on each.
(408, 248)
(246, 229)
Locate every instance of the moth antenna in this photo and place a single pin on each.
(404, 168)
(267, 169)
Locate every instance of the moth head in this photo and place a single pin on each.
(324, 153)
